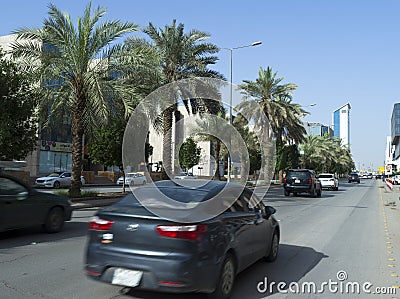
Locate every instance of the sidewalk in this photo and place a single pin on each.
(391, 222)
(91, 202)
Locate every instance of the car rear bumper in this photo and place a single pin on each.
(298, 188)
(175, 273)
(328, 185)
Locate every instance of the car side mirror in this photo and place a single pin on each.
(22, 195)
(269, 211)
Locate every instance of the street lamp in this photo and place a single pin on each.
(230, 99)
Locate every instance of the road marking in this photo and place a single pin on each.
(389, 252)
(391, 265)
(391, 259)
(394, 275)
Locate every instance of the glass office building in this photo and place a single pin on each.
(341, 124)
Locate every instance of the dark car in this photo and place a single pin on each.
(302, 181)
(130, 246)
(353, 177)
(22, 206)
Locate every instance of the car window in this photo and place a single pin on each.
(67, 174)
(298, 174)
(326, 176)
(10, 187)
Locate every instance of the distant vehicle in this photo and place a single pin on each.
(132, 178)
(56, 180)
(132, 247)
(185, 176)
(22, 206)
(329, 180)
(302, 181)
(353, 177)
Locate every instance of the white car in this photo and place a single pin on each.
(185, 176)
(329, 180)
(56, 180)
(132, 178)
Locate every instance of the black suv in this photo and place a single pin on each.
(302, 181)
(353, 177)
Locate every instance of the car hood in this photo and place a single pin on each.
(47, 178)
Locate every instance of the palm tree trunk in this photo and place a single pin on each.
(167, 139)
(217, 149)
(77, 134)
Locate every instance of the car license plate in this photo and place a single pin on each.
(129, 278)
(297, 181)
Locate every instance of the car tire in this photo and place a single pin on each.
(144, 183)
(294, 193)
(273, 252)
(319, 193)
(57, 185)
(226, 279)
(287, 193)
(54, 221)
(313, 194)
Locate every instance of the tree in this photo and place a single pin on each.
(18, 123)
(73, 65)
(181, 55)
(189, 154)
(326, 154)
(275, 100)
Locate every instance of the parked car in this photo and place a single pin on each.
(56, 180)
(22, 206)
(353, 177)
(329, 181)
(185, 176)
(130, 246)
(132, 178)
(302, 181)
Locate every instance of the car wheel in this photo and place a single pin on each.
(226, 279)
(144, 182)
(273, 252)
(287, 193)
(294, 193)
(319, 192)
(313, 193)
(57, 185)
(54, 221)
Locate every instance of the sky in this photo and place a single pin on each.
(335, 51)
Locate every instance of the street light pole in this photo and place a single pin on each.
(230, 99)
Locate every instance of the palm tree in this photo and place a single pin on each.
(74, 66)
(181, 55)
(275, 101)
(212, 123)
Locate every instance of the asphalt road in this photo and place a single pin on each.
(344, 230)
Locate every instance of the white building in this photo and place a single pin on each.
(341, 123)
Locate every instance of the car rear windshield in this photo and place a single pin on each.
(184, 195)
(298, 174)
(326, 176)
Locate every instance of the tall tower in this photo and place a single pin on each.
(341, 124)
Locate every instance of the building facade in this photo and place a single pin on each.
(395, 136)
(341, 124)
(317, 129)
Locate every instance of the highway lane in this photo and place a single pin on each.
(341, 231)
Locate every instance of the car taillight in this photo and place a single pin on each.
(97, 223)
(187, 232)
(284, 180)
(310, 181)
